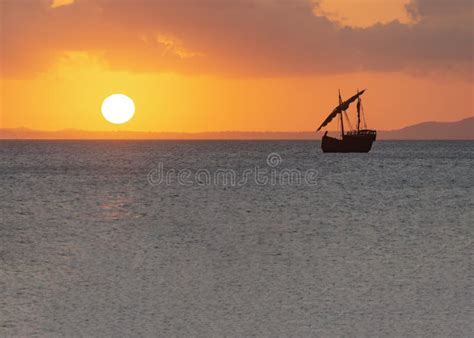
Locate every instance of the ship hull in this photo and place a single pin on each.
(348, 144)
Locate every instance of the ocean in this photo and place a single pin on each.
(235, 238)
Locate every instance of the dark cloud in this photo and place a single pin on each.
(234, 37)
(439, 8)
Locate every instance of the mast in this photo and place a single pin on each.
(358, 112)
(340, 114)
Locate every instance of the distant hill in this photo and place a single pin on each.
(71, 134)
(460, 130)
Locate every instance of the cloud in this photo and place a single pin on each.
(234, 38)
(439, 8)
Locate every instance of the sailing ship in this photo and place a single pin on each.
(355, 140)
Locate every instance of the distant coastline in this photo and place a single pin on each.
(459, 130)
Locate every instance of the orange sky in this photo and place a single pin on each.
(233, 65)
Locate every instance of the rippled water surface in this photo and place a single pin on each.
(378, 244)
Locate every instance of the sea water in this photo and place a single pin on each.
(235, 238)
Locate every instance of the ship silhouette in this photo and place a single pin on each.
(355, 140)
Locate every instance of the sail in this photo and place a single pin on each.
(343, 106)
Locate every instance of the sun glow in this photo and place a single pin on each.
(59, 3)
(118, 108)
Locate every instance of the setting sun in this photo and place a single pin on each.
(118, 108)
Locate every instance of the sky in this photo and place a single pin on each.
(234, 65)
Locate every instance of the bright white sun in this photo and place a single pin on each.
(118, 108)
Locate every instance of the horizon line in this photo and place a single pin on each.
(213, 132)
(429, 130)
